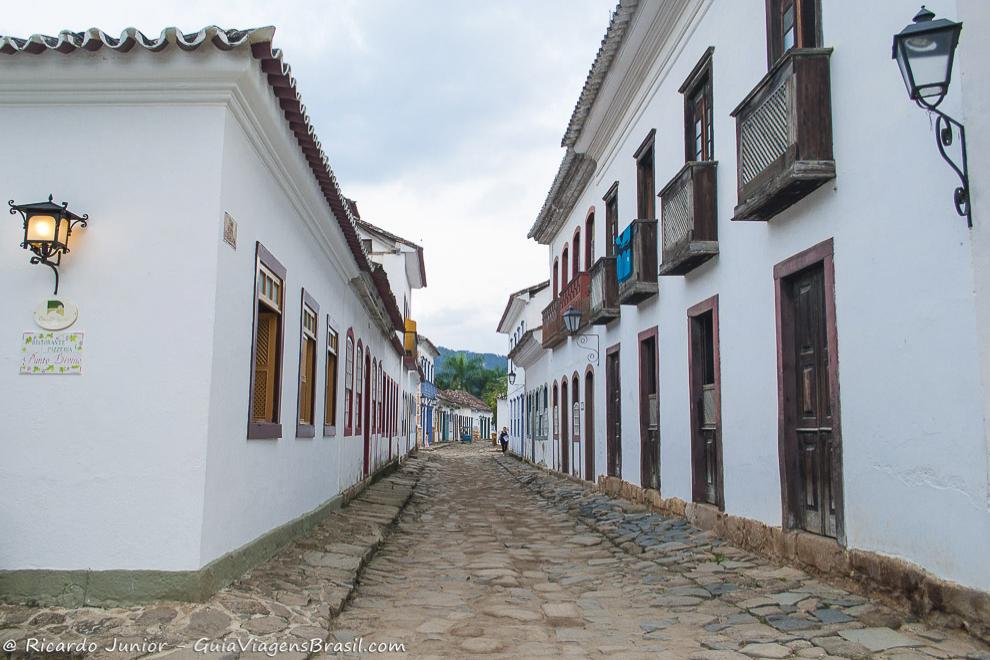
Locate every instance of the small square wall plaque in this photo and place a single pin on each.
(230, 230)
(51, 353)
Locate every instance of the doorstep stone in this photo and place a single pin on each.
(878, 639)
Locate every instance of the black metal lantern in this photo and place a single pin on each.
(512, 378)
(47, 228)
(925, 51)
(572, 319)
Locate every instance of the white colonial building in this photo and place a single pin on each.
(521, 322)
(428, 353)
(236, 364)
(781, 320)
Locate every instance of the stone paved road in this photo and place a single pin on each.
(493, 558)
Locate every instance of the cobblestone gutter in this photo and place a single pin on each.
(294, 595)
(674, 531)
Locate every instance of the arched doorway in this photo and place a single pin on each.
(565, 440)
(576, 423)
(555, 410)
(589, 425)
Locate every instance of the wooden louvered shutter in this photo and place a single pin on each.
(265, 363)
(306, 414)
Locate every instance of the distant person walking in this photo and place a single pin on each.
(503, 438)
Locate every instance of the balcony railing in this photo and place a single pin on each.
(576, 294)
(553, 324)
(604, 304)
(784, 135)
(636, 262)
(690, 225)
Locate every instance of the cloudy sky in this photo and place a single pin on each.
(442, 118)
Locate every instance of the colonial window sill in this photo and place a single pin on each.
(329, 431)
(264, 431)
(689, 218)
(784, 135)
(305, 431)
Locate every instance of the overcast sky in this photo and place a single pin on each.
(442, 118)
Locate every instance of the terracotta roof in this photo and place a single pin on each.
(611, 42)
(463, 399)
(367, 226)
(530, 290)
(424, 339)
(575, 168)
(283, 86)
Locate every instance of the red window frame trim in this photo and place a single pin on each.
(307, 430)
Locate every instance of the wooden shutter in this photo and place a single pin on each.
(265, 364)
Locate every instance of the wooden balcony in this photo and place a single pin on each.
(636, 262)
(576, 294)
(689, 220)
(604, 304)
(784, 135)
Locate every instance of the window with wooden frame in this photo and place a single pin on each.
(330, 384)
(576, 243)
(359, 386)
(306, 406)
(611, 200)
(589, 240)
(792, 24)
(266, 351)
(556, 281)
(349, 383)
(645, 180)
(699, 141)
(564, 266)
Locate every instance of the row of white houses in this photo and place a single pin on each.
(240, 357)
(777, 311)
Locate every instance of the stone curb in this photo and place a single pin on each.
(897, 583)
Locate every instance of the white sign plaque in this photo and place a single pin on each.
(55, 314)
(51, 353)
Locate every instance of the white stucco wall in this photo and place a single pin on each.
(143, 461)
(106, 470)
(912, 403)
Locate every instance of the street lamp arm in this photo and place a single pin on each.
(945, 128)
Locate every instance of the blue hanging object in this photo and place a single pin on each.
(623, 254)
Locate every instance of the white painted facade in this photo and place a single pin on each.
(520, 321)
(142, 462)
(913, 318)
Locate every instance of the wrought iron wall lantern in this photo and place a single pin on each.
(47, 228)
(925, 51)
(512, 377)
(588, 341)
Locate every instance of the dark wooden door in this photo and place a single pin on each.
(649, 413)
(705, 451)
(565, 438)
(812, 436)
(613, 417)
(367, 415)
(589, 426)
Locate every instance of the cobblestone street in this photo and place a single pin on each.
(480, 554)
(493, 557)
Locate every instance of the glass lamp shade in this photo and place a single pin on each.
(512, 378)
(924, 52)
(41, 228)
(572, 319)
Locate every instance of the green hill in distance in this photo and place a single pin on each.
(491, 360)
